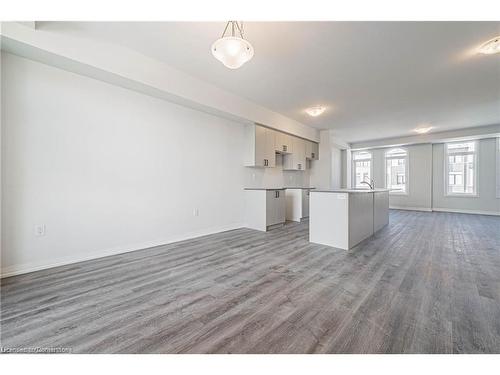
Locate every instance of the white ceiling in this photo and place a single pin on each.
(378, 79)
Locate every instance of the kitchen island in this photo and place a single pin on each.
(343, 218)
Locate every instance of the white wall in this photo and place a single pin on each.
(127, 68)
(327, 171)
(109, 170)
(276, 177)
(486, 200)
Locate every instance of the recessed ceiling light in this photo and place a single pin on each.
(422, 129)
(491, 46)
(315, 111)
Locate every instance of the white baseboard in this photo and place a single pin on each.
(460, 211)
(410, 208)
(37, 266)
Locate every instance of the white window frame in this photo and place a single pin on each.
(475, 194)
(353, 167)
(407, 170)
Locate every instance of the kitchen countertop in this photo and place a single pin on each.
(349, 191)
(277, 188)
(257, 188)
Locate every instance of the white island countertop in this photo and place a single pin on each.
(349, 190)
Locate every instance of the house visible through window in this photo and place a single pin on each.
(362, 162)
(461, 168)
(396, 162)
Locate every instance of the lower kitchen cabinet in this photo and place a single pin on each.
(264, 208)
(297, 203)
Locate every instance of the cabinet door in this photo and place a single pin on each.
(270, 144)
(281, 207)
(260, 146)
(309, 149)
(275, 207)
(270, 207)
(278, 144)
(305, 203)
(297, 160)
(315, 151)
(283, 143)
(299, 152)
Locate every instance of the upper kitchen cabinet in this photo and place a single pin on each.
(296, 161)
(312, 150)
(283, 143)
(260, 145)
(263, 143)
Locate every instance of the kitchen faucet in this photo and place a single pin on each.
(370, 184)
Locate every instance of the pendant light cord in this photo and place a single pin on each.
(239, 28)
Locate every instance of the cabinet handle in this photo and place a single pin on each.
(278, 194)
(312, 154)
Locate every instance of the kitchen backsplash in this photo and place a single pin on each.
(276, 177)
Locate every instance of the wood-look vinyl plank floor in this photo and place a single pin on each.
(426, 283)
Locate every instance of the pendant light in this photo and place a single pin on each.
(232, 50)
(491, 47)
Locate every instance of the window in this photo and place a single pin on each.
(460, 168)
(396, 166)
(361, 168)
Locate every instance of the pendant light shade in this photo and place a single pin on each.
(233, 51)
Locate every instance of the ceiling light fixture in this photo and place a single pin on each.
(315, 111)
(233, 51)
(423, 129)
(491, 47)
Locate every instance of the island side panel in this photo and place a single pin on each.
(255, 209)
(328, 219)
(360, 217)
(381, 210)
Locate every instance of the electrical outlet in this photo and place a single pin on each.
(196, 212)
(39, 230)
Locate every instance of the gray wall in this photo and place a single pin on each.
(486, 199)
(420, 179)
(426, 189)
(343, 158)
